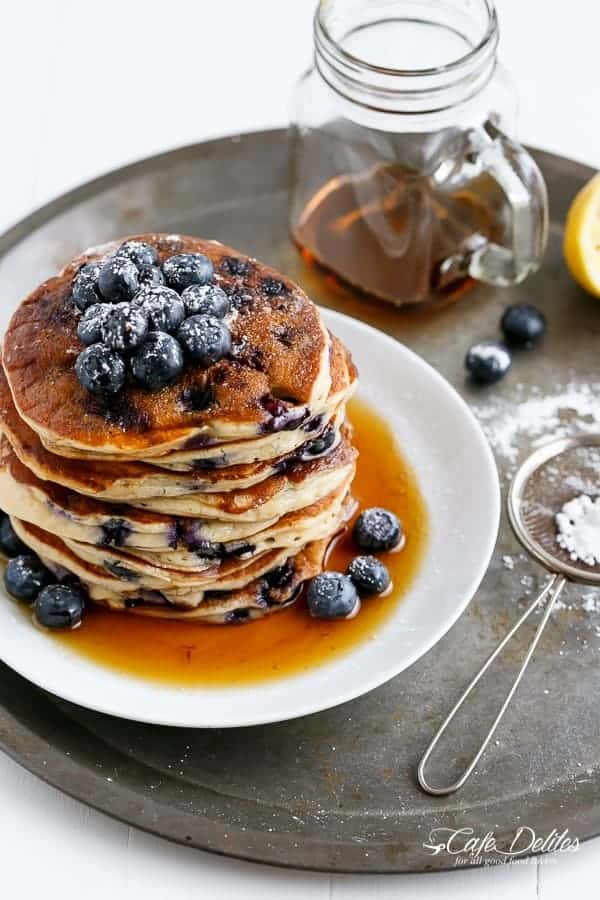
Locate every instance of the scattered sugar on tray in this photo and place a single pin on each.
(578, 525)
(529, 417)
(590, 602)
(587, 601)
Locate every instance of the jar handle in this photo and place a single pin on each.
(490, 151)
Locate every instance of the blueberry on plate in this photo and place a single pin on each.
(368, 575)
(118, 279)
(140, 253)
(25, 576)
(206, 300)
(163, 307)
(158, 362)
(523, 324)
(59, 606)
(100, 370)
(10, 542)
(204, 339)
(184, 269)
(126, 326)
(90, 328)
(85, 286)
(487, 362)
(377, 530)
(332, 595)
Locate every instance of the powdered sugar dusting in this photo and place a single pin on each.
(530, 418)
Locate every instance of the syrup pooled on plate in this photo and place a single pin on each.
(287, 642)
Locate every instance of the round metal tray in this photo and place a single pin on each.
(335, 791)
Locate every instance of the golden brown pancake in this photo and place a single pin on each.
(135, 481)
(116, 569)
(176, 541)
(271, 587)
(278, 367)
(295, 486)
(251, 450)
(259, 598)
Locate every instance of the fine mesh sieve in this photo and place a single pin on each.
(548, 478)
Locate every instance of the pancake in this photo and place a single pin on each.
(271, 593)
(65, 512)
(123, 481)
(277, 373)
(154, 571)
(318, 521)
(72, 515)
(276, 497)
(264, 447)
(116, 570)
(272, 585)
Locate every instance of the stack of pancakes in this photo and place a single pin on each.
(212, 499)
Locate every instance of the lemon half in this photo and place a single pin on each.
(582, 237)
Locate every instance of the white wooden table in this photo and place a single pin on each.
(89, 86)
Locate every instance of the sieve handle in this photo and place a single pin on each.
(554, 585)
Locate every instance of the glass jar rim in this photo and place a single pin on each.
(336, 47)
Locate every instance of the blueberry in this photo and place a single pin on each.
(139, 253)
(158, 362)
(234, 265)
(273, 286)
(235, 616)
(118, 279)
(205, 339)
(368, 575)
(523, 324)
(10, 542)
(126, 326)
(100, 370)
(319, 445)
(184, 269)
(59, 606)
(115, 533)
(90, 328)
(332, 595)
(377, 530)
(25, 576)
(487, 362)
(163, 307)
(150, 276)
(206, 300)
(85, 286)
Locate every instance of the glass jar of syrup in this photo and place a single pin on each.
(407, 183)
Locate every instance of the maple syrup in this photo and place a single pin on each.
(284, 643)
(386, 232)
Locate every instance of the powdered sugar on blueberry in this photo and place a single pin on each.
(130, 316)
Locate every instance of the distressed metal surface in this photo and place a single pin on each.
(336, 791)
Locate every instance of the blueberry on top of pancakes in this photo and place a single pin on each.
(185, 269)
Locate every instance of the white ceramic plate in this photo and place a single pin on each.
(457, 476)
